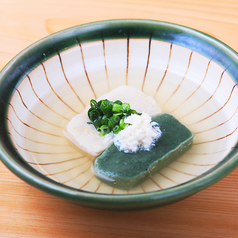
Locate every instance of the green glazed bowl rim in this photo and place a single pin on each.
(25, 61)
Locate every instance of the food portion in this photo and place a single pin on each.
(139, 134)
(130, 136)
(108, 116)
(86, 137)
(127, 170)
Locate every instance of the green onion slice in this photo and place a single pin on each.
(104, 130)
(116, 129)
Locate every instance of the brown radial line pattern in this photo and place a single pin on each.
(45, 153)
(142, 188)
(77, 175)
(62, 67)
(41, 99)
(33, 112)
(105, 62)
(182, 172)
(167, 178)
(208, 153)
(33, 128)
(219, 108)
(98, 187)
(195, 90)
(39, 142)
(47, 79)
(67, 170)
(220, 138)
(85, 70)
(10, 134)
(87, 182)
(198, 132)
(147, 65)
(127, 57)
(155, 183)
(59, 162)
(189, 62)
(183, 162)
(166, 70)
(208, 98)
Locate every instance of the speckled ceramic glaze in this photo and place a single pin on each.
(191, 75)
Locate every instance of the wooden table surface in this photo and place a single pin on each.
(27, 212)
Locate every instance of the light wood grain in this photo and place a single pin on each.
(27, 212)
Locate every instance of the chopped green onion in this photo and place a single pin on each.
(104, 120)
(107, 116)
(118, 102)
(120, 114)
(116, 129)
(117, 108)
(111, 123)
(93, 103)
(126, 107)
(106, 106)
(115, 118)
(134, 112)
(97, 122)
(99, 104)
(93, 114)
(122, 124)
(104, 130)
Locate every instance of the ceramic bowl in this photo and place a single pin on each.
(190, 74)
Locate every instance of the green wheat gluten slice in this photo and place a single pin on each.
(127, 170)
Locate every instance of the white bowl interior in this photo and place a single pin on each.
(193, 88)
